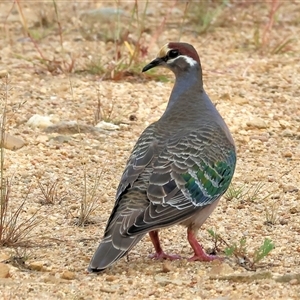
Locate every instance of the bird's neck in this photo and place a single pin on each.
(189, 80)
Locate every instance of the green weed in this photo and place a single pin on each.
(248, 194)
(239, 250)
(203, 15)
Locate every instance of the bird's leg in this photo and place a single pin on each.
(198, 250)
(160, 254)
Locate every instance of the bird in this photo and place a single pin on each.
(178, 170)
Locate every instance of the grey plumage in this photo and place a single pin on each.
(179, 168)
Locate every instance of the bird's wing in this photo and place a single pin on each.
(143, 153)
(164, 186)
(190, 173)
(129, 199)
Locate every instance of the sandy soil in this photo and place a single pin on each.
(258, 95)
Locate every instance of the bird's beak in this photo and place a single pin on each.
(154, 63)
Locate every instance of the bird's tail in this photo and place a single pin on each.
(110, 250)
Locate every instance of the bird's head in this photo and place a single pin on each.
(176, 57)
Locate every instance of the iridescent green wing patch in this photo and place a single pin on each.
(206, 182)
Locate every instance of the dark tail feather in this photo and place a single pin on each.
(108, 252)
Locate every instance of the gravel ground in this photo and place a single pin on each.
(256, 93)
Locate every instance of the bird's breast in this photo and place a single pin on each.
(199, 217)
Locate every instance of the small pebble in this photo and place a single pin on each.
(111, 278)
(287, 133)
(294, 281)
(290, 189)
(4, 271)
(3, 73)
(283, 221)
(166, 267)
(256, 123)
(36, 266)
(68, 275)
(293, 210)
(287, 154)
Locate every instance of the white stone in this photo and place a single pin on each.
(107, 126)
(256, 123)
(38, 121)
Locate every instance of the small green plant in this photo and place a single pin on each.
(44, 24)
(95, 66)
(127, 51)
(217, 240)
(263, 251)
(239, 250)
(256, 191)
(204, 14)
(234, 192)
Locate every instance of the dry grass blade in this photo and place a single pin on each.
(89, 201)
(271, 212)
(50, 193)
(103, 112)
(65, 64)
(19, 257)
(283, 46)
(263, 42)
(251, 194)
(4, 191)
(13, 230)
(274, 6)
(272, 209)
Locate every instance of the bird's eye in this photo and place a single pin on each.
(173, 53)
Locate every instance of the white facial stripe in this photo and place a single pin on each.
(188, 59)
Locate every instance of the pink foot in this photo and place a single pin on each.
(200, 254)
(160, 254)
(204, 257)
(163, 255)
